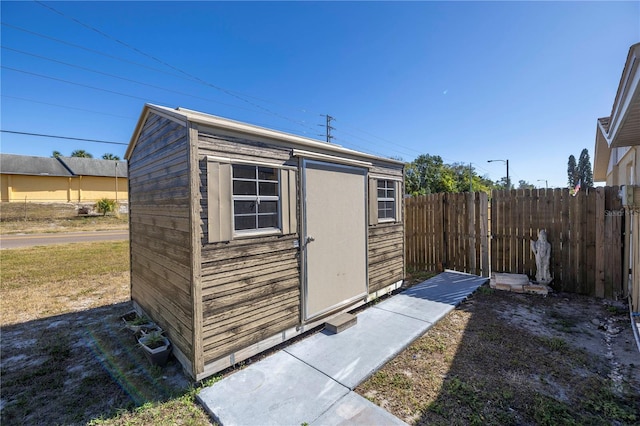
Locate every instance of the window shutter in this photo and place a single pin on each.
(288, 202)
(219, 202)
(399, 191)
(373, 202)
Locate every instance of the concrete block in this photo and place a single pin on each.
(536, 289)
(340, 323)
(511, 279)
(510, 287)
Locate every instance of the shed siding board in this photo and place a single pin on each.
(247, 150)
(195, 248)
(386, 240)
(160, 268)
(250, 286)
(386, 255)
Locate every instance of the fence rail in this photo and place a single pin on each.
(585, 232)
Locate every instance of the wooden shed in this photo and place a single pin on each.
(244, 237)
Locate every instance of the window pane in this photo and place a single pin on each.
(268, 207)
(268, 188)
(386, 210)
(382, 193)
(383, 184)
(245, 222)
(244, 207)
(241, 187)
(268, 221)
(244, 172)
(267, 173)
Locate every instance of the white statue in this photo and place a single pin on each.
(542, 250)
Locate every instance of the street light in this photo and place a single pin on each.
(546, 185)
(507, 163)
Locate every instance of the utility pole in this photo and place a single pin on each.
(507, 163)
(116, 180)
(328, 127)
(546, 183)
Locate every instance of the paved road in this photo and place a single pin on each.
(30, 240)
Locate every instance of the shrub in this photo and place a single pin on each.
(106, 205)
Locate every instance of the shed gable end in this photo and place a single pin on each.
(159, 222)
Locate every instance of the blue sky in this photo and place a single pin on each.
(469, 81)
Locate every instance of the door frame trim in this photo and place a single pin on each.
(304, 318)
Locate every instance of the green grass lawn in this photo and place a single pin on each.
(66, 357)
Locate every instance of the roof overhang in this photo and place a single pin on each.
(185, 116)
(624, 123)
(601, 155)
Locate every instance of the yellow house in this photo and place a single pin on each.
(59, 180)
(617, 162)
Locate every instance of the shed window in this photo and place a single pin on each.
(256, 198)
(386, 200)
(250, 200)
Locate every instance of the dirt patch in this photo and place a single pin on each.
(82, 366)
(508, 358)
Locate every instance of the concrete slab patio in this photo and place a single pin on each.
(312, 381)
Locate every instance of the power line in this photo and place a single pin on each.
(181, 71)
(182, 77)
(97, 52)
(63, 137)
(77, 84)
(188, 78)
(116, 76)
(68, 107)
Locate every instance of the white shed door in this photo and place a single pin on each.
(334, 237)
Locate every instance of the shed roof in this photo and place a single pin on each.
(62, 166)
(189, 116)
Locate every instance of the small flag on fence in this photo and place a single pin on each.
(577, 188)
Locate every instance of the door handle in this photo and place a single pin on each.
(307, 241)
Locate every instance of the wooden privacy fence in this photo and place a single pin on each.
(447, 231)
(585, 232)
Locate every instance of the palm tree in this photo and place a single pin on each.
(81, 153)
(56, 154)
(109, 156)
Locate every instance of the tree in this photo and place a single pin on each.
(572, 170)
(81, 153)
(523, 184)
(56, 154)
(580, 173)
(584, 170)
(501, 184)
(109, 156)
(467, 179)
(428, 174)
